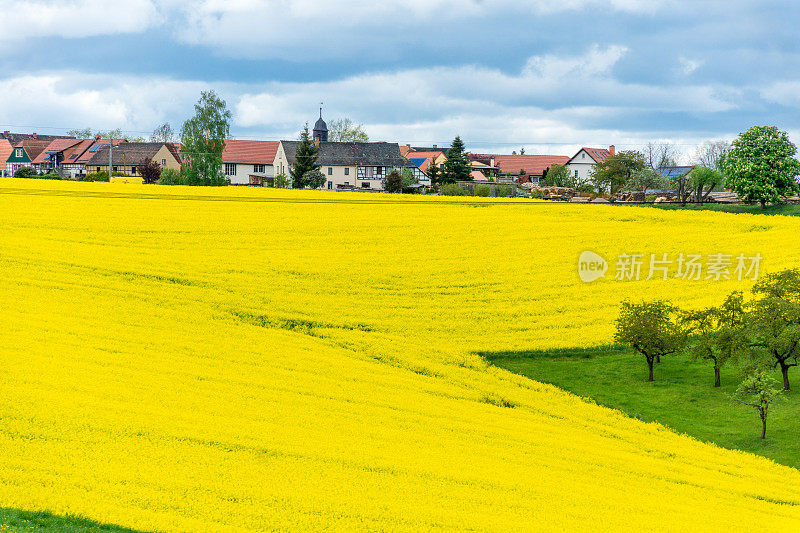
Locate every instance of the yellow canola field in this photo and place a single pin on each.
(248, 359)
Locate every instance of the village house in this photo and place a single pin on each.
(249, 162)
(51, 158)
(349, 164)
(581, 164)
(128, 157)
(24, 153)
(9, 141)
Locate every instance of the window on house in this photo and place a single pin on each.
(365, 185)
(259, 168)
(230, 169)
(378, 171)
(330, 185)
(19, 152)
(346, 171)
(163, 162)
(583, 155)
(330, 171)
(115, 169)
(576, 173)
(133, 170)
(98, 169)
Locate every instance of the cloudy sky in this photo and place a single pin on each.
(550, 75)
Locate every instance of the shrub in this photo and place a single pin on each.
(394, 181)
(50, 176)
(282, 181)
(536, 193)
(504, 191)
(149, 170)
(170, 176)
(482, 190)
(452, 189)
(98, 176)
(25, 172)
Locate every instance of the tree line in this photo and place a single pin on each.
(755, 335)
(760, 166)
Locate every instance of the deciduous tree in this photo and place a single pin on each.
(758, 390)
(761, 165)
(617, 170)
(773, 321)
(203, 137)
(149, 170)
(717, 333)
(163, 134)
(345, 130)
(651, 329)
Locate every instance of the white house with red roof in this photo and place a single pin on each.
(249, 162)
(581, 164)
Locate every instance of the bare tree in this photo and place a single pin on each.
(163, 134)
(660, 155)
(710, 153)
(345, 130)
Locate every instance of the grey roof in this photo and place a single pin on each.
(380, 154)
(320, 125)
(126, 153)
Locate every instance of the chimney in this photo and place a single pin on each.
(513, 153)
(5, 133)
(34, 134)
(491, 162)
(408, 146)
(435, 147)
(611, 149)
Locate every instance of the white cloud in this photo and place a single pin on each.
(306, 29)
(553, 99)
(785, 93)
(688, 66)
(74, 19)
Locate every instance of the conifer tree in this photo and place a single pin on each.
(305, 170)
(457, 167)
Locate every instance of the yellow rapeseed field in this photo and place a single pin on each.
(251, 359)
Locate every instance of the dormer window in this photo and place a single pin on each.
(19, 152)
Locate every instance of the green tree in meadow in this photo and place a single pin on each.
(773, 321)
(651, 329)
(717, 333)
(758, 390)
(203, 137)
(760, 165)
(457, 167)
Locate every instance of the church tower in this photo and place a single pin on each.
(320, 129)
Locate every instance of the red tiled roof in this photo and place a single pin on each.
(477, 175)
(5, 152)
(261, 152)
(33, 147)
(598, 154)
(532, 164)
(422, 155)
(58, 145)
